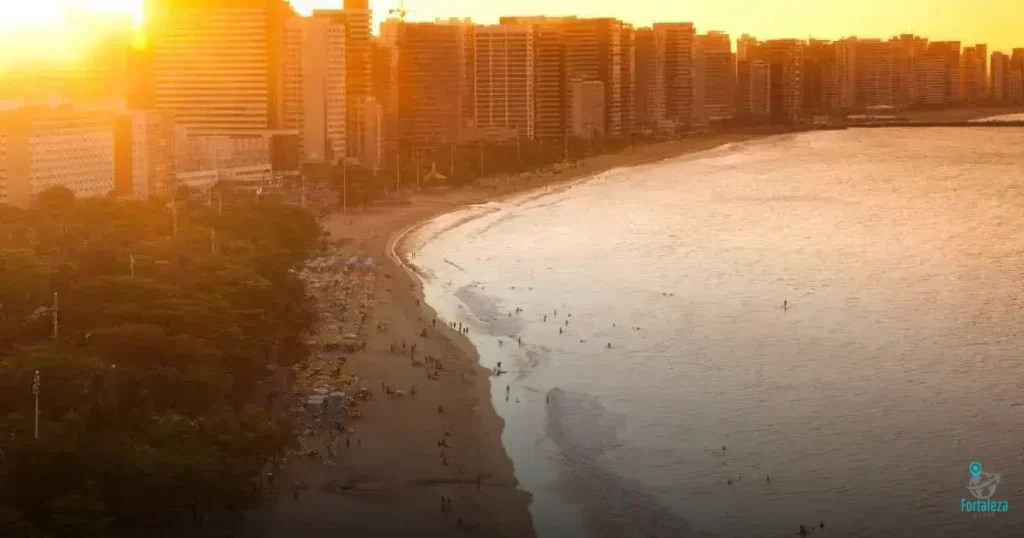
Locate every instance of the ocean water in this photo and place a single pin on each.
(898, 362)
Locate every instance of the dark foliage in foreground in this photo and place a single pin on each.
(165, 339)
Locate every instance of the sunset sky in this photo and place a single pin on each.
(49, 29)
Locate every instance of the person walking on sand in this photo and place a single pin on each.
(785, 304)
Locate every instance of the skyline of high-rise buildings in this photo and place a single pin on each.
(250, 90)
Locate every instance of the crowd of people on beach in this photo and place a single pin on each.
(434, 369)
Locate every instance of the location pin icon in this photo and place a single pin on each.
(975, 469)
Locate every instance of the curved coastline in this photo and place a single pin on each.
(416, 243)
(400, 250)
(391, 478)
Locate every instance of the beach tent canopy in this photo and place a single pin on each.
(434, 176)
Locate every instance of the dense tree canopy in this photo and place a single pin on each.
(167, 330)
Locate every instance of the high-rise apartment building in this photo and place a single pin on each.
(430, 84)
(785, 58)
(3, 169)
(949, 51)
(876, 70)
(550, 91)
(216, 64)
(753, 89)
(595, 52)
(314, 87)
(550, 84)
(821, 79)
(674, 55)
(372, 137)
(504, 78)
(467, 66)
(846, 72)
(1015, 84)
(44, 148)
(716, 76)
(645, 106)
(147, 168)
(384, 90)
(1017, 58)
(930, 79)
(974, 72)
(744, 45)
(907, 49)
(356, 20)
(1000, 79)
(628, 78)
(582, 50)
(587, 108)
(981, 70)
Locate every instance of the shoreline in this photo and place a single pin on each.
(390, 480)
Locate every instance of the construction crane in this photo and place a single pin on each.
(400, 12)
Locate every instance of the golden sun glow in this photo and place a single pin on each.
(61, 31)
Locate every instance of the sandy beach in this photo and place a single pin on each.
(387, 472)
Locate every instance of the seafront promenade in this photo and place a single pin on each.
(971, 124)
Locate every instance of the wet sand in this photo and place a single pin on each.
(390, 479)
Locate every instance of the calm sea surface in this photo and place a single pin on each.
(897, 364)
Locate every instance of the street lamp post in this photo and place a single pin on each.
(35, 392)
(481, 156)
(398, 170)
(519, 151)
(416, 159)
(55, 318)
(344, 186)
(174, 214)
(565, 143)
